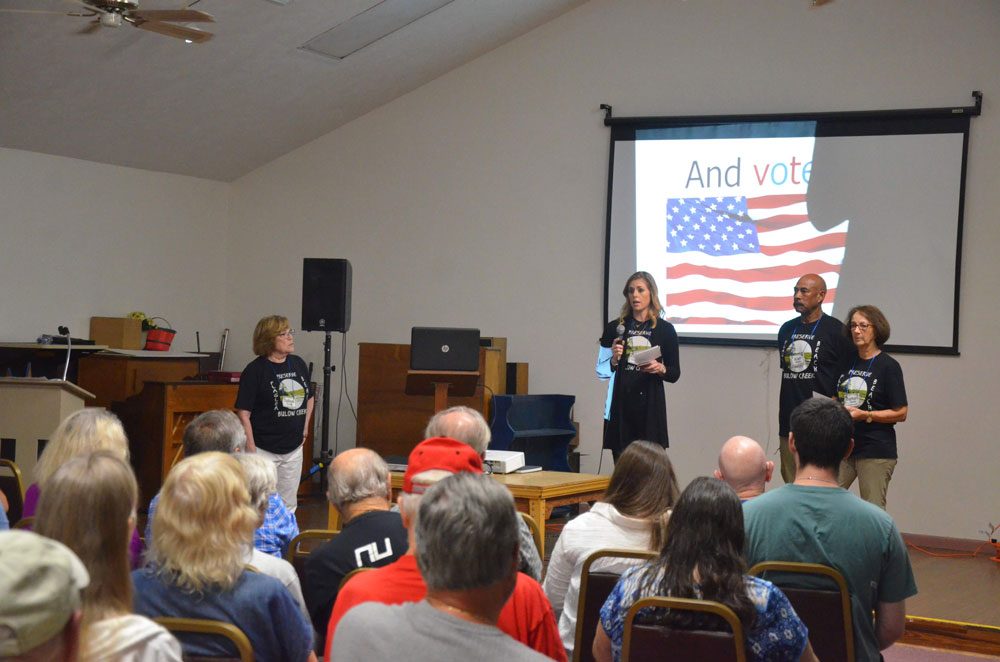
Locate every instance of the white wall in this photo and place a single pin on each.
(478, 200)
(82, 239)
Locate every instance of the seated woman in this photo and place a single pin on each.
(202, 534)
(262, 482)
(633, 515)
(89, 506)
(83, 431)
(703, 558)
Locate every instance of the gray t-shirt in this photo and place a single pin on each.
(833, 527)
(417, 632)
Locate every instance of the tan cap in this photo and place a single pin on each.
(40, 581)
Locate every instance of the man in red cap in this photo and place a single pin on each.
(527, 616)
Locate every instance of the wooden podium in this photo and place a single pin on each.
(441, 384)
(390, 422)
(30, 410)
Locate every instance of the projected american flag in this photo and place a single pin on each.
(735, 260)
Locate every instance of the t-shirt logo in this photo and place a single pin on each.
(292, 393)
(798, 355)
(852, 391)
(636, 344)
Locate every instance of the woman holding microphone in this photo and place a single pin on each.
(636, 407)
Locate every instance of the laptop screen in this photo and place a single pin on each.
(440, 348)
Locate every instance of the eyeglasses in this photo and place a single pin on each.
(287, 334)
(860, 326)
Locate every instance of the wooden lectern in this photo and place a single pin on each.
(30, 409)
(440, 383)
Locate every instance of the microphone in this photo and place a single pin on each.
(64, 331)
(620, 331)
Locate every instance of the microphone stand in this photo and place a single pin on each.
(64, 331)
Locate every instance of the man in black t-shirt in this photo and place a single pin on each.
(811, 348)
(371, 536)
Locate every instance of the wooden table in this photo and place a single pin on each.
(535, 493)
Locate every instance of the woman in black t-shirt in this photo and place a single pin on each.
(871, 388)
(638, 408)
(275, 403)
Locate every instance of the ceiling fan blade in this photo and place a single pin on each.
(177, 31)
(174, 15)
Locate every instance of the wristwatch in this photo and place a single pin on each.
(869, 419)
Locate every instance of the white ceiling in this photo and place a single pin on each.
(221, 109)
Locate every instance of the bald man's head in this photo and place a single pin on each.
(744, 466)
(808, 297)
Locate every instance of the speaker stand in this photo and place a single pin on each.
(325, 454)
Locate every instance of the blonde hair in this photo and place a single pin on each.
(85, 431)
(88, 505)
(204, 524)
(655, 309)
(268, 328)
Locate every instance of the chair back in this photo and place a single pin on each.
(12, 486)
(348, 576)
(595, 587)
(26, 523)
(536, 533)
(659, 642)
(825, 611)
(298, 549)
(204, 626)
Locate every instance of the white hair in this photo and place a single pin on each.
(262, 478)
(365, 476)
(462, 424)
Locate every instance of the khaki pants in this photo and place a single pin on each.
(873, 476)
(787, 460)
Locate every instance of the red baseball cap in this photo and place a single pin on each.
(442, 453)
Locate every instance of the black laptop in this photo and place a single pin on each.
(440, 348)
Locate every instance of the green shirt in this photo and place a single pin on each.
(833, 527)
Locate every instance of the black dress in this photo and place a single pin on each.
(638, 405)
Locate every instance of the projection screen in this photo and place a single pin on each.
(727, 212)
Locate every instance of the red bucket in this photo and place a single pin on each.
(159, 339)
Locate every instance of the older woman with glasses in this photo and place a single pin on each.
(871, 388)
(275, 403)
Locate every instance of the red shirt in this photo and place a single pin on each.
(527, 616)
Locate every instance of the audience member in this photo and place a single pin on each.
(262, 481)
(89, 506)
(743, 464)
(220, 431)
(813, 520)
(526, 616)
(468, 426)
(83, 431)
(464, 516)
(703, 559)
(201, 532)
(40, 613)
(632, 515)
(371, 536)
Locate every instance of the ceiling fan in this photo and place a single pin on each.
(112, 13)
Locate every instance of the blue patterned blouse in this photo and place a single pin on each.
(778, 634)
